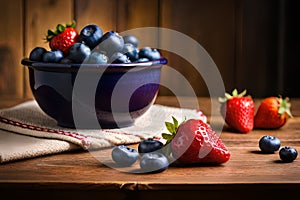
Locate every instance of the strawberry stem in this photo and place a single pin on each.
(172, 128)
(59, 29)
(284, 106)
(230, 96)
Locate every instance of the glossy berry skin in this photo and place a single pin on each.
(64, 40)
(79, 52)
(124, 156)
(269, 144)
(288, 154)
(90, 35)
(97, 58)
(132, 40)
(66, 60)
(131, 52)
(151, 54)
(196, 142)
(149, 145)
(37, 54)
(142, 60)
(272, 113)
(53, 56)
(110, 43)
(238, 111)
(119, 58)
(153, 162)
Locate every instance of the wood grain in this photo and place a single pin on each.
(253, 43)
(248, 174)
(39, 17)
(11, 49)
(103, 13)
(212, 25)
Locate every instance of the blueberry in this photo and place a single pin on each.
(151, 54)
(288, 154)
(37, 54)
(78, 52)
(53, 56)
(124, 156)
(119, 58)
(149, 145)
(97, 58)
(153, 162)
(90, 35)
(131, 52)
(269, 144)
(66, 60)
(111, 42)
(142, 60)
(131, 39)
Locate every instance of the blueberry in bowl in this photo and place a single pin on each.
(52, 85)
(91, 79)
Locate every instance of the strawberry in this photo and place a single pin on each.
(238, 111)
(194, 141)
(63, 37)
(272, 113)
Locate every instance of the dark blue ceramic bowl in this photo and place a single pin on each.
(121, 93)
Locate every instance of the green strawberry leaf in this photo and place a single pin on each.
(71, 25)
(175, 121)
(284, 106)
(167, 137)
(235, 93)
(228, 96)
(170, 127)
(60, 28)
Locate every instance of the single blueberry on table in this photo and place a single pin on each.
(149, 145)
(124, 156)
(90, 35)
(78, 52)
(288, 154)
(269, 144)
(37, 54)
(131, 39)
(153, 162)
(53, 56)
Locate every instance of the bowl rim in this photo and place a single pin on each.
(74, 67)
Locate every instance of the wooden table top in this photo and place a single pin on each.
(79, 173)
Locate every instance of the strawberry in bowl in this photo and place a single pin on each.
(77, 78)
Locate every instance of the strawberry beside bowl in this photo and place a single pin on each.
(120, 95)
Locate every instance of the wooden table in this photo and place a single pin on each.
(248, 175)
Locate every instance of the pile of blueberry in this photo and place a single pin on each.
(94, 47)
(270, 144)
(152, 159)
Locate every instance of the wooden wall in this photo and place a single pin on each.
(247, 39)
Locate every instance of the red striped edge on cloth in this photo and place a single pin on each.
(37, 128)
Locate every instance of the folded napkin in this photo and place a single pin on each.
(26, 131)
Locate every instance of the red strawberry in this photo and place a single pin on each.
(272, 113)
(63, 37)
(196, 142)
(238, 111)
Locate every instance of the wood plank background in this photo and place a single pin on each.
(254, 43)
